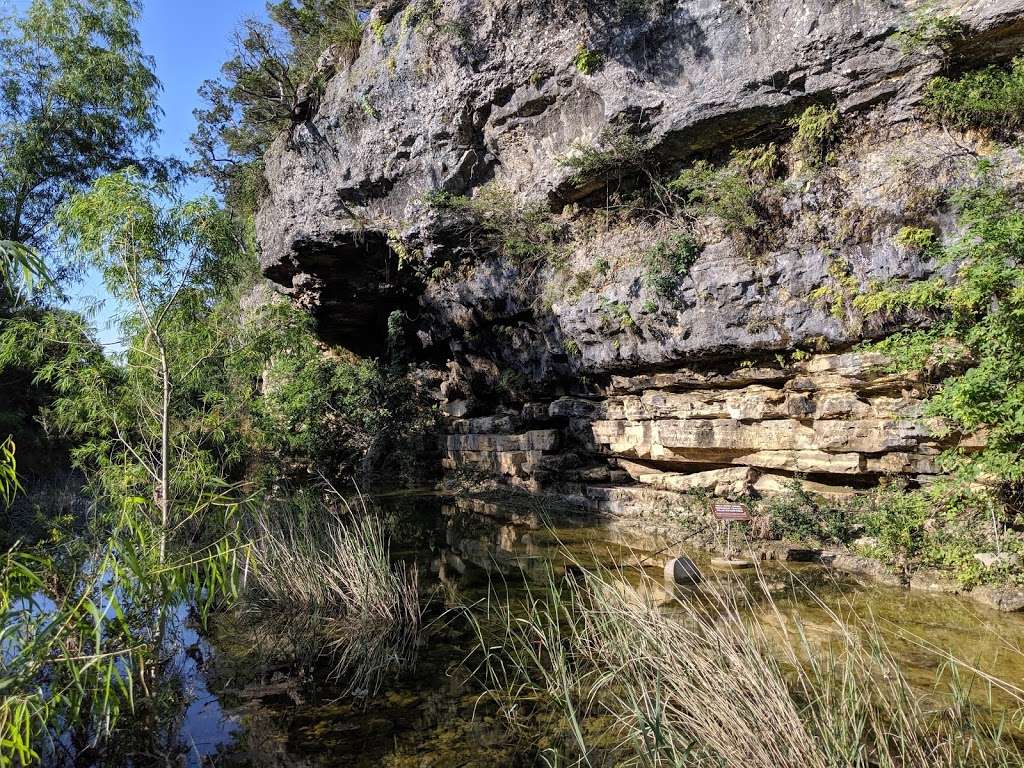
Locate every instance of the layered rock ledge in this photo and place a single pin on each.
(836, 422)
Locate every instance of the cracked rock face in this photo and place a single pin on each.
(488, 90)
(580, 374)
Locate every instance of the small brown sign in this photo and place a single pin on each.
(732, 513)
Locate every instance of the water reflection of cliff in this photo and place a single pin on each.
(485, 538)
(292, 714)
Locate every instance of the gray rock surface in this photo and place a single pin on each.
(475, 92)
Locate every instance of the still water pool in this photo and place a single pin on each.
(253, 705)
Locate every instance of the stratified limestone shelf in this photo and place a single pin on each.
(843, 420)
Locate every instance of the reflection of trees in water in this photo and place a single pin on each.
(156, 732)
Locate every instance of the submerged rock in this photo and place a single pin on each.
(683, 571)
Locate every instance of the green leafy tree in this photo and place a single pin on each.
(153, 430)
(77, 99)
(982, 310)
(157, 423)
(270, 81)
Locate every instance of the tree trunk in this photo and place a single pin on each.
(165, 417)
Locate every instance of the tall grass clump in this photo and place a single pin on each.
(339, 570)
(720, 678)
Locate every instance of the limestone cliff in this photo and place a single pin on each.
(493, 170)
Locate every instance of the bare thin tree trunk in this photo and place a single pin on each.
(164, 484)
(165, 419)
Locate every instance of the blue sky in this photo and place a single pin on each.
(189, 39)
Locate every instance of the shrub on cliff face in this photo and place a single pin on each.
(616, 153)
(521, 233)
(724, 193)
(586, 60)
(669, 260)
(817, 133)
(270, 81)
(929, 27)
(982, 307)
(761, 162)
(988, 98)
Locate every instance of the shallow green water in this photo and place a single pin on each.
(265, 712)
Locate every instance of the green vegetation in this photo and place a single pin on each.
(76, 100)
(988, 98)
(916, 350)
(337, 417)
(270, 82)
(982, 306)
(928, 28)
(799, 516)
(9, 484)
(378, 29)
(893, 298)
(817, 134)
(713, 681)
(341, 573)
(669, 260)
(207, 406)
(144, 420)
(896, 526)
(617, 314)
(198, 436)
(368, 109)
(586, 60)
(725, 193)
(516, 232)
(86, 625)
(171, 437)
(941, 526)
(417, 14)
(579, 284)
(839, 292)
(22, 269)
(759, 162)
(917, 239)
(616, 153)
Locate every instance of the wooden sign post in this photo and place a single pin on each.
(729, 514)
